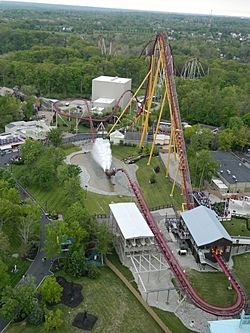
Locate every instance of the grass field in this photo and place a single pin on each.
(242, 270)
(116, 308)
(107, 298)
(156, 194)
(236, 227)
(212, 287)
(170, 319)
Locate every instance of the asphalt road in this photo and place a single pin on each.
(5, 159)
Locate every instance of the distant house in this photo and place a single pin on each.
(116, 137)
(233, 172)
(9, 141)
(35, 129)
(213, 129)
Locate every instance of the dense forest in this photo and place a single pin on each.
(54, 52)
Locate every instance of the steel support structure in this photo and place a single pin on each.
(179, 273)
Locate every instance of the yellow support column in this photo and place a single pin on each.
(171, 141)
(157, 126)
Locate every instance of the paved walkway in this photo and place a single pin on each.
(38, 269)
(119, 180)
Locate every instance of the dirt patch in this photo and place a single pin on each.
(84, 321)
(72, 292)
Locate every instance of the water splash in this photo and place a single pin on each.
(101, 153)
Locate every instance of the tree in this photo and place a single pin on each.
(75, 263)
(71, 188)
(66, 171)
(29, 221)
(55, 137)
(44, 172)
(10, 110)
(226, 139)
(19, 302)
(203, 167)
(4, 244)
(55, 232)
(53, 320)
(201, 139)
(30, 151)
(28, 107)
(5, 278)
(51, 291)
(36, 316)
(104, 238)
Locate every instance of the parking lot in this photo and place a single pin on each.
(6, 157)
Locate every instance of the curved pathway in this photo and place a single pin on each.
(119, 180)
(38, 269)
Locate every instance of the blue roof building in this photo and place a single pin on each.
(204, 226)
(241, 325)
(202, 231)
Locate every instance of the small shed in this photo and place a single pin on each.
(116, 137)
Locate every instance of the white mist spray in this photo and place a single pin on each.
(101, 153)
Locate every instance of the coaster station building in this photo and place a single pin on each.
(202, 232)
(133, 235)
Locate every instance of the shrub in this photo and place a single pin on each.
(157, 169)
(152, 179)
(93, 272)
(36, 317)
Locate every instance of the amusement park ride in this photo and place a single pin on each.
(159, 81)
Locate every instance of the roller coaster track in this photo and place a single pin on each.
(232, 310)
(56, 109)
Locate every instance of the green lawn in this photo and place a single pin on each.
(122, 152)
(242, 270)
(169, 318)
(205, 282)
(156, 194)
(173, 322)
(69, 148)
(236, 227)
(221, 296)
(117, 309)
(98, 203)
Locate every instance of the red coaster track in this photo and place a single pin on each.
(56, 109)
(232, 310)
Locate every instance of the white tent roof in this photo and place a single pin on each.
(130, 220)
(117, 134)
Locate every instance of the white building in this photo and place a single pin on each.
(35, 129)
(109, 87)
(133, 235)
(219, 186)
(9, 141)
(116, 137)
(105, 103)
